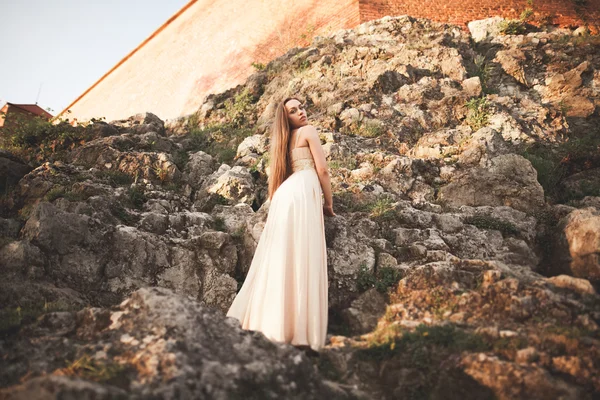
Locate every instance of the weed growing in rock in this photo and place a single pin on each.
(181, 158)
(382, 209)
(86, 367)
(487, 222)
(554, 164)
(483, 71)
(11, 319)
(259, 66)
(115, 178)
(136, 197)
(123, 215)
(512, 27)
(238, 108)
(478, 113)
(37, 140)
(382, 280)
(417, 343)
(346, 162)
(58, 192)
(220, 141)
(367, 128)
(219, 224)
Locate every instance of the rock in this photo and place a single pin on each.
(527, 355)
(576, 284)
(579, 244)
(364, 312)
(12, 169)
(177, 341)
(59, 387)
(232, 183)
(141, 123)
(485, 28)
(472, 86)
(256, 144)
(10, 227)
(524, 382)
(510, 181)
(21, 258)
(198, 168)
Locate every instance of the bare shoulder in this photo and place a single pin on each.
(308, 131)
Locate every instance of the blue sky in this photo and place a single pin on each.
(66, 45)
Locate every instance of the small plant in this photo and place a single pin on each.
(161, 173)
(180, 159)
(367, 128)
(11, 319)
(346, 162)
(259, 66)
(238, 108)
(54, 193)
(123, 215)
(58, 192)
(136, 197)
(382, 209)
(486, 222)
(478, 113)
(86, 367)
(219, 224)
(526, 15)
(385, 278)
(483, 70)
(116, 178)
(424, 337)
(512, 27)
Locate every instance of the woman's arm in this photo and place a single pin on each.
(314, 143)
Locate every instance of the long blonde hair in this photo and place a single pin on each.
(280, 157)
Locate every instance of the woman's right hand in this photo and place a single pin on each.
(328, 211)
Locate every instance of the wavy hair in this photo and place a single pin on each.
(280, 157)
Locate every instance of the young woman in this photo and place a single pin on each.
(285, 292)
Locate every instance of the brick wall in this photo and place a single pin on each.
(209, 45)
(563, 12)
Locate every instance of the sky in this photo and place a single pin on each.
(59, 48)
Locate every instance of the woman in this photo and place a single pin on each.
(285, 292)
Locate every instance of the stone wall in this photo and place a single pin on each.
(561, 12)
(209, 46)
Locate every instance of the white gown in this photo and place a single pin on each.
(284, 295)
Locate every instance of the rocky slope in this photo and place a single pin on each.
(463, 262)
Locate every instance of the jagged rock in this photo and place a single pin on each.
(527, 382)
(198, 168)
(21, 258)
(256, 144)
(12, 169)
(363, 313)
(484, 28)
(569, 282)
(141, 123)
(235, 184)
(167, 346)
(579, 244)
(472, 86)
(509, 181)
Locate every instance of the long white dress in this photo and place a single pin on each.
(285, 292)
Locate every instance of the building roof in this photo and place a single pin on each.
(33, 109)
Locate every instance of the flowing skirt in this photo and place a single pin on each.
(284, 295)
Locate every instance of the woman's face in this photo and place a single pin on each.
(296, 114)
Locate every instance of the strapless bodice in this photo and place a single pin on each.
(302, 159)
